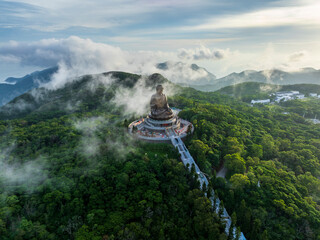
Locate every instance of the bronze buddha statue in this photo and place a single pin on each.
(160, 109)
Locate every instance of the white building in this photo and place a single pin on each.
(313, 95)
(283, 98)
(300, 96)
(264, 101)
(289, 95)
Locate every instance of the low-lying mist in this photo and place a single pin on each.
(23, 175)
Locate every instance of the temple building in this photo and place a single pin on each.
(162, 122)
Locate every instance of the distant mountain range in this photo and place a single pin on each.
(177, 72)
(249, 90)
(274, 76)
(189, 75)
(14, 87)
(184, 74)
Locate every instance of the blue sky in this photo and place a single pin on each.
(249, 34)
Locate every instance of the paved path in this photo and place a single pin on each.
(188, 160)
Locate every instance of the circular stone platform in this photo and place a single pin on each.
(152, 130)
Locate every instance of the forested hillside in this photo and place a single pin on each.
(74, 173)
(272, 183)
(70, 171)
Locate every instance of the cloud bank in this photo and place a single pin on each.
(298, 56)
(202, 53)
(166, 26)
(76, 56)
(72, 52)
(306, 14)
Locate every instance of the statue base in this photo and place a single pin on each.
(162, 117)
(160, 130)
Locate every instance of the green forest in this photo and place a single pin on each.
(75, 173)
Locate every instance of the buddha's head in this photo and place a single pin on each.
(159, 89)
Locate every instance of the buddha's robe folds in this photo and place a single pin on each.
(160, 109)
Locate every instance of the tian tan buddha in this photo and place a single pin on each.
(160, 109)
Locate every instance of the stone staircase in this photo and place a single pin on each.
(188, 161)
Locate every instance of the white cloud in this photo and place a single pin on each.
(63, 14)
(76, 56)
(92, 142)
(136, 100)
(89, 143)
(71, 51)
(29, 173)
(202, 53)
(304, 15)
(9, 59)
(297, 56)
(180, 72)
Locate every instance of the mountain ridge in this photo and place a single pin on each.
(273, 76)
(198, 74)
(86, 92)
(13, 87)
(204, 80)
(247, 91)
